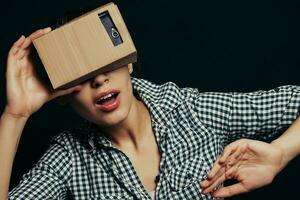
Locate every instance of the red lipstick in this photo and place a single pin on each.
(108, 101)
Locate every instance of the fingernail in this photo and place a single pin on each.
(21, 37)
(47, 29)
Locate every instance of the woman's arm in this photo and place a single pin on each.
(25, 95)
(11, 128)
(289, 143)
(252, 163)
(261, 115)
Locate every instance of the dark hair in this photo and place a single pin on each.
(68, 16)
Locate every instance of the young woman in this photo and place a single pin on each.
(140, 140)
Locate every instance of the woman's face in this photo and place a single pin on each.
(105, 99)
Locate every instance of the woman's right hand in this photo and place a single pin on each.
(24, 91)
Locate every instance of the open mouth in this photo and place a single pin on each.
(107, 99)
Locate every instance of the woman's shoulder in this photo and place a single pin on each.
(164, 90)
(160, 89)
(75, 137)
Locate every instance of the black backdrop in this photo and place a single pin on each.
(213, 45)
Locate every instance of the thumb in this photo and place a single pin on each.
(57, 93)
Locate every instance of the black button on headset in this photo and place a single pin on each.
(114, 33)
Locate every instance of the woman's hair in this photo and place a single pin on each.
(68, 16)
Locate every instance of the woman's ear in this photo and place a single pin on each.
(130, 68)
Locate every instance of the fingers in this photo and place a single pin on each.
(20, 48)
(34, 36)
(229, 191)
(16, 45)
(58, 93)
(230, 149)
(210, 185)
(23, 42)
(226, 167)
(23, 50)
(224, 174)
(233, 158)
(217, 171)
(216, 167)
(39, 33)
(26, 43)
(20, 54)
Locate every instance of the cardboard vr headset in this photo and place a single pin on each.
(87, 45)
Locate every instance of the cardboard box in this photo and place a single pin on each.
(87, 45)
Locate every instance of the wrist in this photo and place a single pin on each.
(14, 117)
(286, 156)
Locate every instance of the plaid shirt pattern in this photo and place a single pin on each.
(191, 128)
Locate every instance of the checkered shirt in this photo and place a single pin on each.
(191, 128)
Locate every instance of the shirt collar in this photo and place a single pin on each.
(165, 97)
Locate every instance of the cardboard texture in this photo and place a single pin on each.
(86, 46)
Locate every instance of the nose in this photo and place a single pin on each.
(99, 80)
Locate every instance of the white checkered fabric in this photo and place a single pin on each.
(191, 128)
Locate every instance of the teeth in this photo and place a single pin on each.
(105, 97)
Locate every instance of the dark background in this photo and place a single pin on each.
(213, 45)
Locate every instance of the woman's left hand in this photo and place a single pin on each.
(252, 163)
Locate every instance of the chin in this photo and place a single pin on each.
(111, 119)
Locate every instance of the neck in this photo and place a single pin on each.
(132, 131)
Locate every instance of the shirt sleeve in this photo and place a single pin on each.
(48, 178)
(260, 115)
